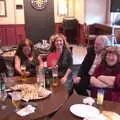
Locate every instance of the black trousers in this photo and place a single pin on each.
(82, 86)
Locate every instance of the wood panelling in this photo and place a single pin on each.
(3, 36)
(11, 34)
(20, 33)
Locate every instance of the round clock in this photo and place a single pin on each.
(39, 4)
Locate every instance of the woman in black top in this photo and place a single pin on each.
(26, 55)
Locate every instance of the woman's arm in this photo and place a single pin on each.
(17, 65)
(64, 78)
(18, 68)
(109, 80)
(97, 83)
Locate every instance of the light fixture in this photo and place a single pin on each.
(62, 6)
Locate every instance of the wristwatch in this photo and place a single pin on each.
(39, 4)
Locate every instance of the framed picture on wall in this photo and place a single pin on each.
(3, 8)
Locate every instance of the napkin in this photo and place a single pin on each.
(89, 100)
(26, 110)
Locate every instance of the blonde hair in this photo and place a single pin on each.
(54, 37)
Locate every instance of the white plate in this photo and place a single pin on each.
(85, 111)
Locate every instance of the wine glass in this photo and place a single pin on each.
(3, 96)
(23, 68)
(40, 77)
(3, 93)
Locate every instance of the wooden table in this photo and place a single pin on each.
(44, 107)
(64, 113)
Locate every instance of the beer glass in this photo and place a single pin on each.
(23, 68)
(55, 76)
(16, 99)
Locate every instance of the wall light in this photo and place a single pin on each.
(62, 7)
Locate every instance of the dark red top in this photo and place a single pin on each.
(112, 94)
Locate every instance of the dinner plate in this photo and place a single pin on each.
(84, 111)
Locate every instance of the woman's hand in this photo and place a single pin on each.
(63, 79)
(109, 80)
(76, 80)
(101, 77)
(26, 74)
(97, 83)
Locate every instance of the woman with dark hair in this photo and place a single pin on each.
(61, 56)
(27, 56)
(107, 75)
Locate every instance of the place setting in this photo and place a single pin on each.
(90, 109)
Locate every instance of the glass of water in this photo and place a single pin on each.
(3, 96)
(3, 93)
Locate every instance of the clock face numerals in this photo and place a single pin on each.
(39, 4)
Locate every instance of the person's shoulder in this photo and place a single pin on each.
(90, 50)
(66, 50)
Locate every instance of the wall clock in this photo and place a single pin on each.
(39, 4)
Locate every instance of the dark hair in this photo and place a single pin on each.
(19, 51)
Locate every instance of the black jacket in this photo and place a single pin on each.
(87, 63)
(65, 61)
(84, 83)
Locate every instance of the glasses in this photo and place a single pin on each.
(55, 76)
(23, 69)
(3, 93)
(16, 99)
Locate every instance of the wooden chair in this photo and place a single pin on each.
(90, 38)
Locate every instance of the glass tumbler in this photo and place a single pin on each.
(55, 76)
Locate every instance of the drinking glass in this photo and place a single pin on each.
(3, 96)
(55, 76)
(100, 96)
(3, 93)
(16, 99)
(40, 75)
(23, 68)
(10, 70)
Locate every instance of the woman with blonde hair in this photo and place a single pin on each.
(61, 56)
(107, 75)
